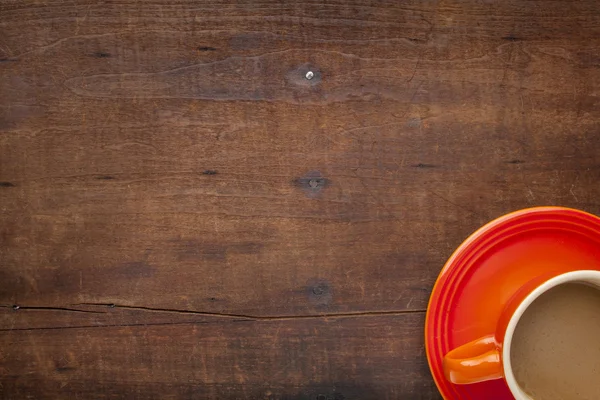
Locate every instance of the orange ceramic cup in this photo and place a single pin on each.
(488, 357)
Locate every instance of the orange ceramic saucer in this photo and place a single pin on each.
(488, 268)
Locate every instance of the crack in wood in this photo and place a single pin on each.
(254, 317)
(46, 328)
(226, 316)
(41, 308)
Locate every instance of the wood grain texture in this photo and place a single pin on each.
(295, 359)
(184, 215)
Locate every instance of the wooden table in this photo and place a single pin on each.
(184, 214)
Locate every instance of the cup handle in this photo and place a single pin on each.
(476, 361)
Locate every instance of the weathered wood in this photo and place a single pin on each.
(334, 358)
(171, 159)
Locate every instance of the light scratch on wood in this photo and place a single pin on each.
(573, 193)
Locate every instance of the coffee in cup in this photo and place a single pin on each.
(555, 351)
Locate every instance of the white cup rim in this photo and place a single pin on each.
(582, 276)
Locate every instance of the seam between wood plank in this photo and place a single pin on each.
(254, 317)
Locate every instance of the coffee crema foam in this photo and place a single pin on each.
(555, 350)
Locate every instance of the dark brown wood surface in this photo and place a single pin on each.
(184, 215)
